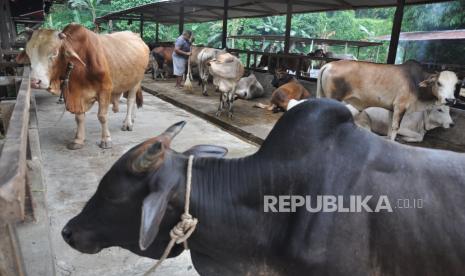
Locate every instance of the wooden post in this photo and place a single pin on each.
(141, 27)
(181, 18)
(395, 33)
(6, 28)
(157, 28)
(225, 24)
(287, 35)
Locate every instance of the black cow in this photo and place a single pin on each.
(314, 149)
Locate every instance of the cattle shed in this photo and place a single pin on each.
(436, 37)
(192, 11)
(313, 42)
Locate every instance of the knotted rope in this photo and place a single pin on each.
(184, 229)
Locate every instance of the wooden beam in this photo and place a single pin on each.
(395, 33)
(181, 18)
(287, 34)
(225, 24)
(237, 8)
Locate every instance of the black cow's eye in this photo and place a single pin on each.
(440, 110)
(439, 84)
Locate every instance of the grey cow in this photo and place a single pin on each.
(413, 126)
(249, 88)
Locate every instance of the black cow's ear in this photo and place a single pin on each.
(207, 151)
(153, 210)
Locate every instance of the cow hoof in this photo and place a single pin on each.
(218, 114)
(127, 128)
(230, 116)
(74, 146)
(205, 94)
(104, 144)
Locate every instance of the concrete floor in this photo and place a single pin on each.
(255, 121)
(71, 177)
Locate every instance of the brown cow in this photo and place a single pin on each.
(393, 87)
(163, 58)
(283, 94)
(105, 66)
(291, 63)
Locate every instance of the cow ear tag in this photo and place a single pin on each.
(153, 210)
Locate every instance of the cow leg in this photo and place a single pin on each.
(105, 142)
(399, 111)
(128, 122)
(221, 106)
(204, 87)
(80, 137)
(231, 102)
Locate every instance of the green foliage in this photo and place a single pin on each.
(363, 24)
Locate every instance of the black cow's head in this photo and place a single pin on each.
(281, 77)
(149, 179)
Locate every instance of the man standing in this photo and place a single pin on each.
(182, 51)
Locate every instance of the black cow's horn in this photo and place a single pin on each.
(61, 35)
(174, 130)
(148, 159)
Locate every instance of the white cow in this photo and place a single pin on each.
(249, 88)
(226, 70)
(413, 126)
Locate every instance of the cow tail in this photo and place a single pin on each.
(200, 64)
(139, 98)
(319, 84)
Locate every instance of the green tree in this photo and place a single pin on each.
(89, 5)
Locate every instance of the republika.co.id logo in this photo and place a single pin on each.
(340, 204)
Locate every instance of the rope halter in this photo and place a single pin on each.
(183, 229)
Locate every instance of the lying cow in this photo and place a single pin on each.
(413, 126)
(226, 70)
(394, 87)
(105, 66)
(236, 237)
(281, 77)
(249, 88)
(293, 90)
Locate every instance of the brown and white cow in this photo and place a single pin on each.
(393, 87)
(226, 70)
(105, 66)
(292, 90)
(162, 59)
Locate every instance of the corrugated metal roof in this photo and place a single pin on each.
(421, 36)
(167, 12)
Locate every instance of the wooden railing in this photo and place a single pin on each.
(278, 58)
(13, 157)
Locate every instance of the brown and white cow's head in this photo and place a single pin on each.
(138, 200)
(442, 84)
(49, 52)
